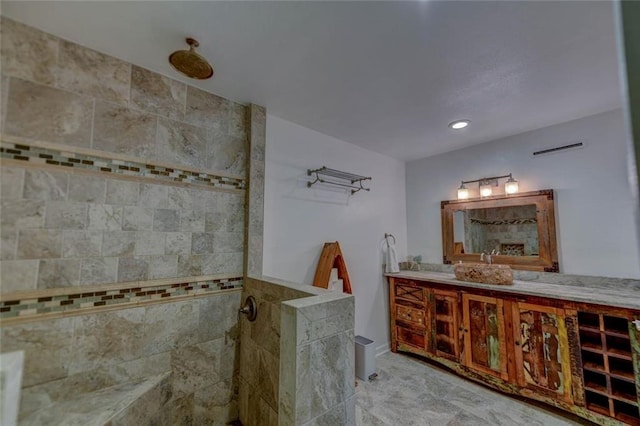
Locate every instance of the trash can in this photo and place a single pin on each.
(365, 359)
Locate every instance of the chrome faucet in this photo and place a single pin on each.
(486, 257)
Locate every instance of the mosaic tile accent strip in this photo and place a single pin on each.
(505, 221)
(37, 155)
(74, 301)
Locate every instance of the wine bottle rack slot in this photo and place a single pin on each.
(597, 402)
(591, 340)
(589, 319)
(621, 325)
(607, 362)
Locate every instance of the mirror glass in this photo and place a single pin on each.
(521, 227)
(511, 231)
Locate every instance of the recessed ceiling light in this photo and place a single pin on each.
(459, 124)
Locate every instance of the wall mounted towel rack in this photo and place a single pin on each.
(339, 176)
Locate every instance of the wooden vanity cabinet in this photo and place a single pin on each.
(484, 335)
(578, 357)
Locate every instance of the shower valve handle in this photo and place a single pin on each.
(250, 308)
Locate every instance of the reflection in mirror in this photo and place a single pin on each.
(511, 231)
(521, 227)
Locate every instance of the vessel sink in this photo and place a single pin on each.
(484, 273)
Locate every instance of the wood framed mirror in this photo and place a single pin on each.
(521, 227)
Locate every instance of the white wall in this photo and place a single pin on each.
(597, 232)
(299, 220)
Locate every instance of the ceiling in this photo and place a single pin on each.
(387, 76)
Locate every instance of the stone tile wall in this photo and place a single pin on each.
(260, 351)
(317, 361)
(64, 229)
(195, 340)
(61, 228)
(297, 358)
(255, 193)
(61, 92)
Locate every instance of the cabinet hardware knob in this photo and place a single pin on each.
(517, 343)
(460, 328)
(466, 331)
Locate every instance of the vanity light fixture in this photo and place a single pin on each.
(485, 186)
(459, 124)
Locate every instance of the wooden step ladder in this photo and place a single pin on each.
(330, 258)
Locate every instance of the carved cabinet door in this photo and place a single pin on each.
(542, 350)
(484, 335)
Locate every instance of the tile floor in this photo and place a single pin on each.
(410, 392)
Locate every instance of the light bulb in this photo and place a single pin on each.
(511, 187)
(463, 193)
(485, 190)
(459, 124)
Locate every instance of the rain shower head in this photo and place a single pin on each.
(190, 63)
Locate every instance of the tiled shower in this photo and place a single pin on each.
(132, 209)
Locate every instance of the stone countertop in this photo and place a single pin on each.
(622, 297)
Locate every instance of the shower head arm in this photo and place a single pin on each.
(193, 43)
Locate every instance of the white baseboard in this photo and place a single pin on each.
(383, 349)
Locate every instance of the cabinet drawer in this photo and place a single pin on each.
(411, 337)
(409, 292)
(410, 315)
